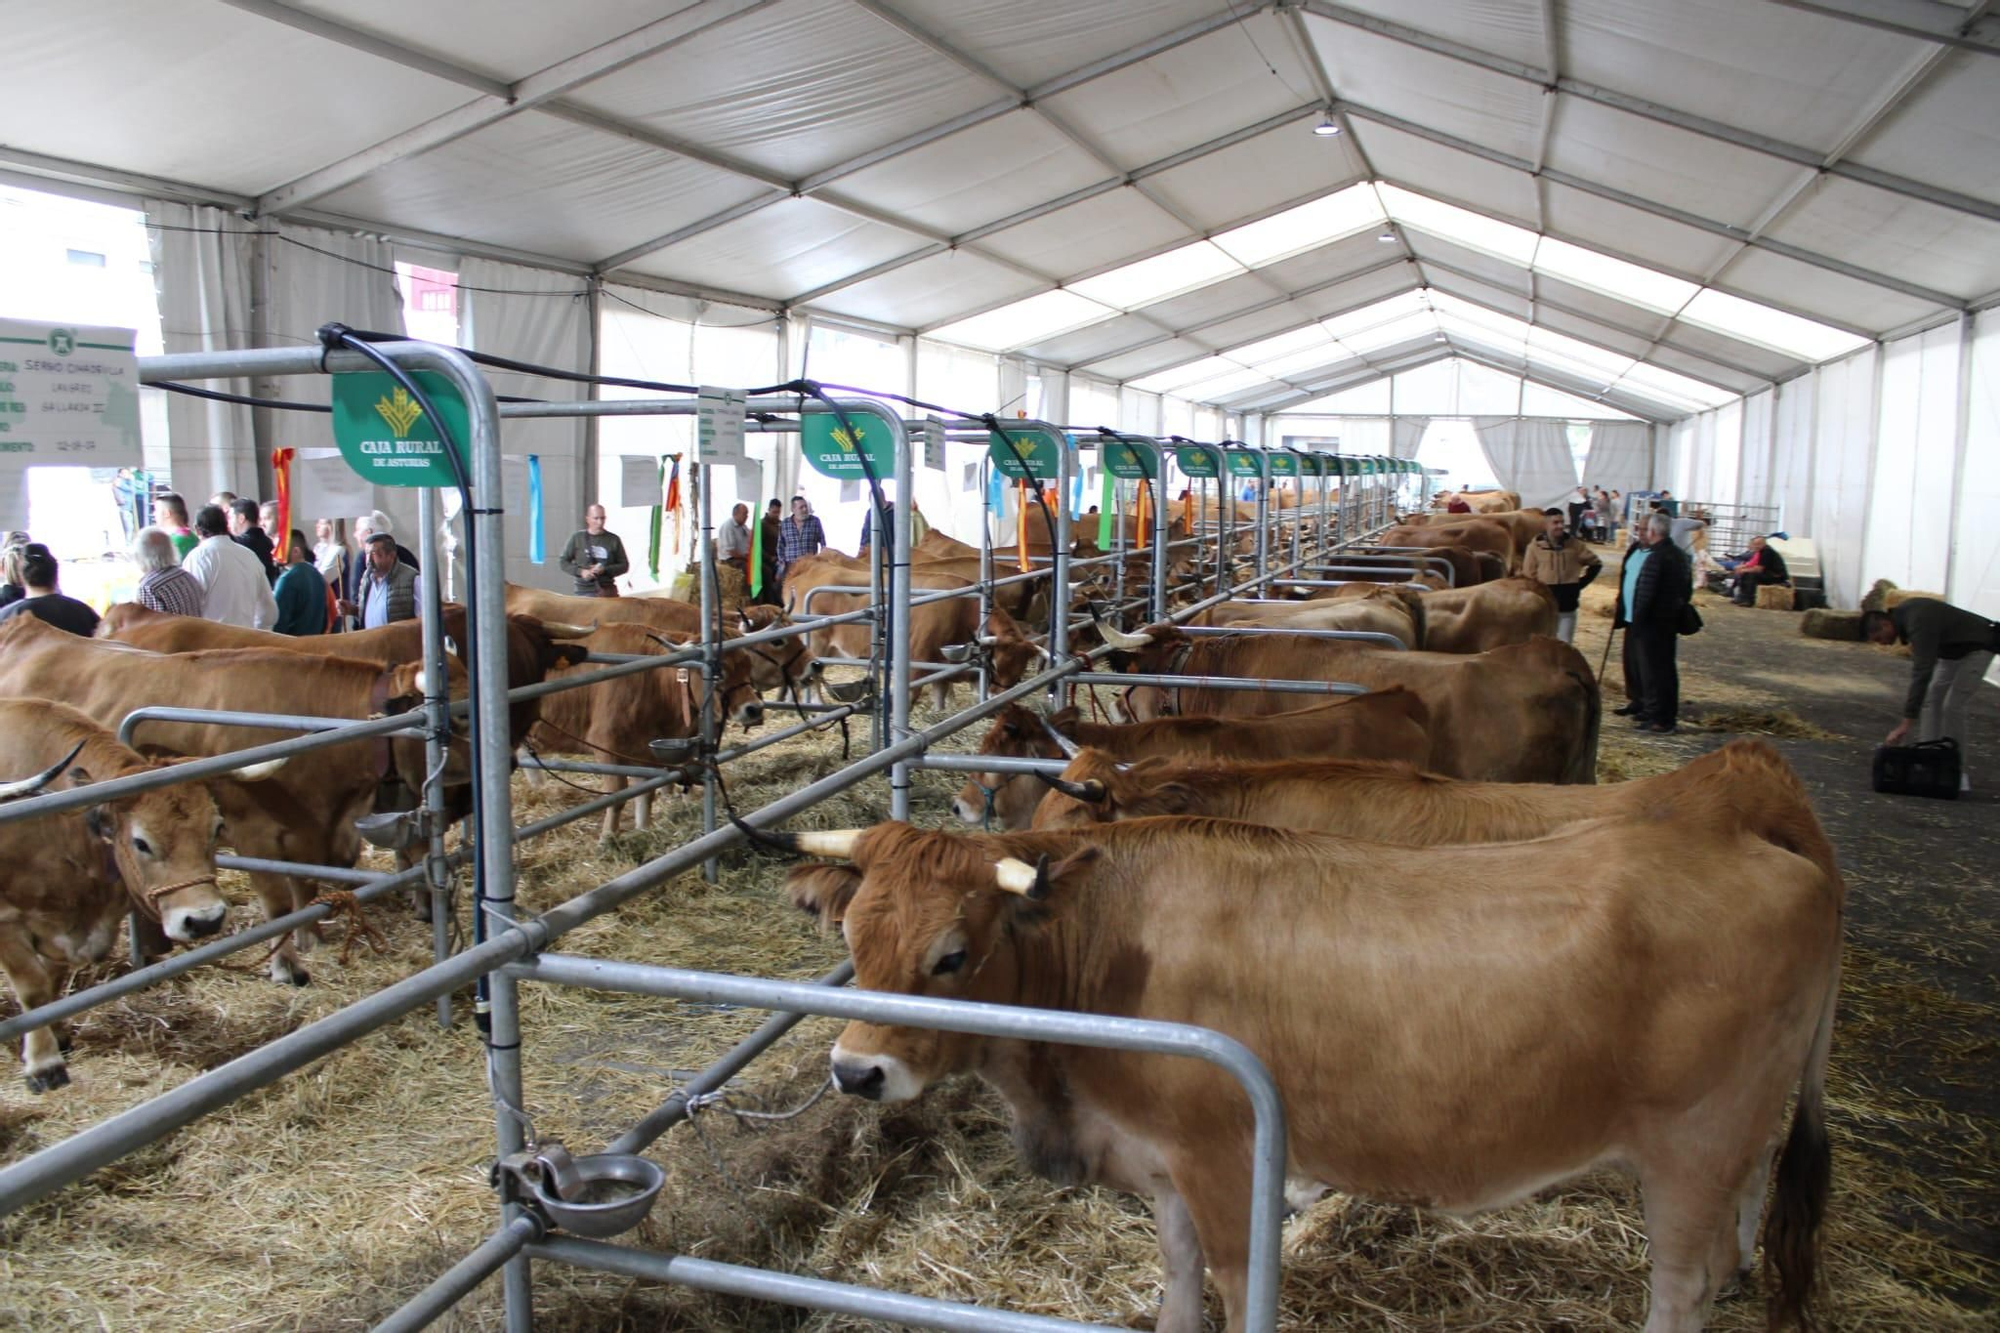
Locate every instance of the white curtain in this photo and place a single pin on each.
(1974, 580)
(315, 277)
(1530, 456)
(1843, 466)
(540, 317)
(1909, 504)
(203, 258)
(1619, 457)
(1405, 434)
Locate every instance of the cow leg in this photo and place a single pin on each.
(34, 984)
(1181, 1262)
(1750, 1213)
(612, 814)
(1215, 1193)
(642, 811)
(277, 893)
(1690, 1217)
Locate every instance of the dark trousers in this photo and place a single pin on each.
(1747, 585)
(1653, 647)
(1576, 519)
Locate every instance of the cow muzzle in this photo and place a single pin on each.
(879, 1078)
(750, 714)
(184, 925)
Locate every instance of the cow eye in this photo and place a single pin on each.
(949, 964)
(141, 846)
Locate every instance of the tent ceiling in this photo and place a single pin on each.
(918, 162)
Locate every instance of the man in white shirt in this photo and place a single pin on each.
(233, 588)
(732, 541)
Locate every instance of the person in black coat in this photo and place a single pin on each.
(246, 529)
(1655, 585)
(1761, 564)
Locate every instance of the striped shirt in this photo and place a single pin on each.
(173, 590)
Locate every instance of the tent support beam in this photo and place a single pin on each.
(355, 39)
(1927, 21)
(812, 184)
(537, 89)
(1649, 110)
(1912, 290)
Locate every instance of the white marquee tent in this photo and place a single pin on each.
(1767, 230)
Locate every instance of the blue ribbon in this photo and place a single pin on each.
(1075, 476)
(535, 551)
(996, 492)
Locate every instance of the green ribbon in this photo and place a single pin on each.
(1105, 509)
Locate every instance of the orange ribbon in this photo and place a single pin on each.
(1145, 515)
(1021, 521)
(281, 478)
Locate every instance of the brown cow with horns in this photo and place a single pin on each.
(1455, 1027)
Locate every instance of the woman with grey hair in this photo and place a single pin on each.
(13, 585)
(163, 584)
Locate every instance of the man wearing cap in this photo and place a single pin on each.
(387, 589)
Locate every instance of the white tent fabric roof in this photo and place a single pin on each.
(926, 164)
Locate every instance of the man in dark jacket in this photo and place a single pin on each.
(1655, 585)
(1759, 565)
(594, 557)
(247, 530)
(1950, 651)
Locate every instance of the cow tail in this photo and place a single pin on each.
(1584, 770)
(1805, 1177)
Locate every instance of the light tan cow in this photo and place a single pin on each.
(778, 669)
(69, 879)
(1488, 615)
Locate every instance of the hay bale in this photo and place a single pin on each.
(1897, 596)
(1774, 597)
(1822, 623)
(1877, 597)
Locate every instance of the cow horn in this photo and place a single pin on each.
(1069, 747)
(29, 786)
(1017, 876)
(1090, 789)
(1118, 638)
(255, 772)
(562, 629)
(834, 844)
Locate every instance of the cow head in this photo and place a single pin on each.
(783, 667)
(1154, 650)
(402, 688)
(1017, 733)
(928, 914)
(736, 696)
(1095, 790)
(161, 845)
(1014, 655)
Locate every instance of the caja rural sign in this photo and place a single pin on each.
(385, 435)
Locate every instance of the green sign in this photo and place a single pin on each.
(385, 436)
(1195, 462)
(835, 450)
(1128, 461)
(1283, 465)
(1037, 448)
(1243, 463)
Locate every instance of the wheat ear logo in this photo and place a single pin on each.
(400, 411)
(848, 440)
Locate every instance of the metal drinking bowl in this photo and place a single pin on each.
(599, 1196)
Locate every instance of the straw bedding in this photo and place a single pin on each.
(324, 1201)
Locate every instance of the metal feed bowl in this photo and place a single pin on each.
(675, 750)
(597, 1196)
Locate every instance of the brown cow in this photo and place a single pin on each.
(1393, 609)
(534, 647)
(305, 813)
(934, 626)
(1452, 1027)
(779, 668)
(71, 878)
(1475, 534)
(1528, 712)
(1388, 724)
(1388, 802)
(1489, 615)
(1482, 502)
(612, 721)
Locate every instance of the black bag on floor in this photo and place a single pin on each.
(1927, 769)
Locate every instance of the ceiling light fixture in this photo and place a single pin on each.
(1388, 236)
(1328, 126)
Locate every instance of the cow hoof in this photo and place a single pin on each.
(287, 973)
(48, 1080)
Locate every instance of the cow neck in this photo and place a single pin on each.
(378, 706)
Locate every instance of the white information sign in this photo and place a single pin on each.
(934, 443)
(69, 396)
(719, 424)
(639, 481)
